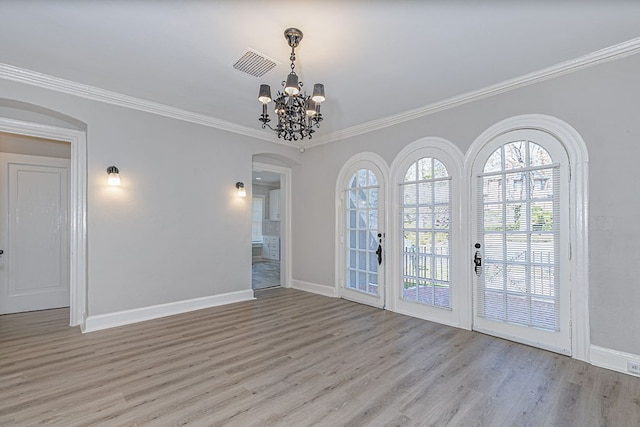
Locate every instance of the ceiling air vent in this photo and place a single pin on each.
(255, 64)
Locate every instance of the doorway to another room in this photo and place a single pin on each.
(266, 229)
(34, 233)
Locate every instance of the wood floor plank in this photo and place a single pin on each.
(292, 358)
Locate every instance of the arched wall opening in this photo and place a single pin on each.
(271, 252)
(20, 118)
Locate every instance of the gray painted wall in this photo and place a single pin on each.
(601, 102)
(174, 229)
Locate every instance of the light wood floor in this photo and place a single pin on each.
(295, 359)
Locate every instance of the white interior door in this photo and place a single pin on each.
(34, 266)
(521, 251)
(362, 237)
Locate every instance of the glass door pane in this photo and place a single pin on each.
(362, 232)
(520, 215)
(363, 207)
(426, 211)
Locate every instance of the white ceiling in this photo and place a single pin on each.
(376, 58)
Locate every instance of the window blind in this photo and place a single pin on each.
(518, 228)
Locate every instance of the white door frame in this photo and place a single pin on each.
(558, 340)
(340, 262)
(578, 212)
(77, 206)
(285, 218)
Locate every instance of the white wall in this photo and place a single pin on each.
(600, 102)
(174, 229)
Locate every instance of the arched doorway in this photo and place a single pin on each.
(361, 228)
(77, 206)
(528, 185)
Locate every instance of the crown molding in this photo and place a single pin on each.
(611, 53)
(34, 78)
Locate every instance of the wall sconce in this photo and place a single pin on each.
(114, 177)
(241, 192)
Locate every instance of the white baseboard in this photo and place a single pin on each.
(120, 318)
(612, 359)
(314, 288)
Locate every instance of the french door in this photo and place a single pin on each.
(362, 236)
(428, 234)
(520, 240)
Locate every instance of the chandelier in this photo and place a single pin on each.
(298, 113)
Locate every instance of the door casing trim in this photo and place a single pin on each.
(77, 206)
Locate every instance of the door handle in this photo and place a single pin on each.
(477, 260)
(379, 250)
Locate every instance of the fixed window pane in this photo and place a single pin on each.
(494, 163)
(515, 155)
(425, 217)
(410, 192)
(409, 218)
(410, 174)
(538, 155)
(425, 193)
(442, 193)
(439, 169)
(425, 170)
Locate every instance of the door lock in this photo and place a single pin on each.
(477, 260)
